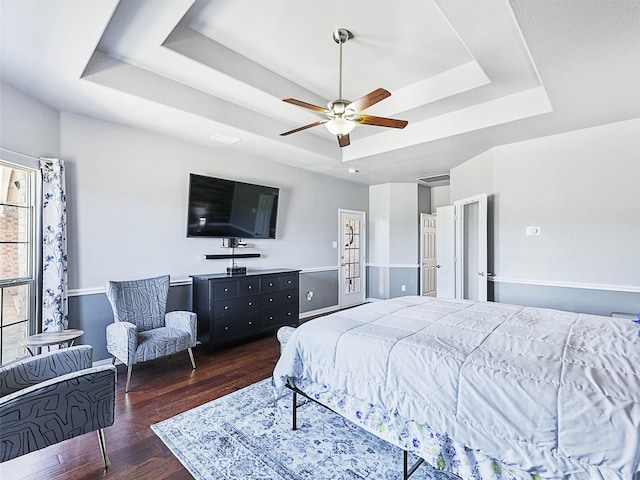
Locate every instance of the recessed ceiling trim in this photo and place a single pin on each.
(514, 107)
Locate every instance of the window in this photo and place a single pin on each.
(18, 313)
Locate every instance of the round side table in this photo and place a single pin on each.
(46, 339)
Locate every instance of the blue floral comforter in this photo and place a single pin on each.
(477, 387)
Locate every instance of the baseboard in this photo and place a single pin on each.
(320, 311)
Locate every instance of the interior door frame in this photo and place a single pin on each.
(342, 303)
(461, 245)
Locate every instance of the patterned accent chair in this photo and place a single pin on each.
(142, 329)
(53, 397)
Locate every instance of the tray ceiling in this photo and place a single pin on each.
(467, 75)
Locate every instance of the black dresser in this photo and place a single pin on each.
(232, 307)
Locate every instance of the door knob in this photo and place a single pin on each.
(438, 266)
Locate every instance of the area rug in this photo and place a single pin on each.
(247, 435)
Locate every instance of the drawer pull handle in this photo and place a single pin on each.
(271, 299)
(289, 314)
(288, 296)
(226, 328)
(226, 289)
(249, 303)
(271, 284)
(270, 317)
(250, 287)
(289, 282)
(226, 307)
(250, 323)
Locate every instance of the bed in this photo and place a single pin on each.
(480, 389)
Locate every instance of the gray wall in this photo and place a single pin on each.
(126, 209)
(581, 189)
(323, 285)
(394, 238)
(127, 193)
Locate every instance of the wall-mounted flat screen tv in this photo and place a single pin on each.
(226, 208)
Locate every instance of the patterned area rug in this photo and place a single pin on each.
(247, 435)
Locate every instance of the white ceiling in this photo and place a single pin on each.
(466, 74)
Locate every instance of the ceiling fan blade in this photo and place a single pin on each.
(380, 121)
(302, 104)
(370, 99)
(343, 140)
(299, 129)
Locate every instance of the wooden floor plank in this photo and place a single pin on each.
(159, 390)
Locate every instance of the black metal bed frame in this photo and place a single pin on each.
(407, 470)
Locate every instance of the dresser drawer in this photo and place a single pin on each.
(288, 282)
(236, 306)
(225, 289)
(235, 327)
(276, 317)
(269, 284)
(249, 286)
(277, 299)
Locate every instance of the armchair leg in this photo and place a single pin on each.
(103, 448)
(193, 362)
(129, 368)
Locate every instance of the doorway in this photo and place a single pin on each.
(462, 249)
(352, 282)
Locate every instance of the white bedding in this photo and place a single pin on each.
(555, 393)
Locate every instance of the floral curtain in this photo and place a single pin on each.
(54, 246)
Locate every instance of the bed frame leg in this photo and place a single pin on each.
(407, 472)
(295, 411)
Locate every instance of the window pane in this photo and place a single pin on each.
(11, 338)
(14, 260)
(15, 304)
(18, 311)
(14, 224)
(14, 185)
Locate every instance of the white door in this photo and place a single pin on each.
(352, 229)
(471, 247)
(445, 252)
(428, 254)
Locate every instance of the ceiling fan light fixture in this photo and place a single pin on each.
(341, 116)
(340, 126)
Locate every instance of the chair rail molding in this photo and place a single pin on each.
(553, 283)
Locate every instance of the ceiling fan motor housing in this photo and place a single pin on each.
(341, 35)
(339, 107)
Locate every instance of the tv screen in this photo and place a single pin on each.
(226, 208)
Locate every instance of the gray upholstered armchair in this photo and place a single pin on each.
(142, 330)
(54, 397)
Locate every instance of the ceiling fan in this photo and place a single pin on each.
(343, 115)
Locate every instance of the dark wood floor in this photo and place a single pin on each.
(159, 389)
